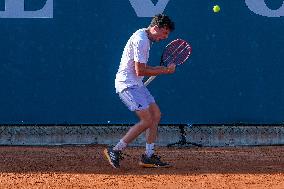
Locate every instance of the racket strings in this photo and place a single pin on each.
(183, 55)
(171, 53)
(179, 56)
(173, 49)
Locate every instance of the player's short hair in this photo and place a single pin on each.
(162, 21)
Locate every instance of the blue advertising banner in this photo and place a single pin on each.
(58, 60)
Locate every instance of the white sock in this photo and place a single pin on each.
(120, 145)
(149, 149)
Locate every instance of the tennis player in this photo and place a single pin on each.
(129, 86)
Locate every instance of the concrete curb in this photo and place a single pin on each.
(83, 134)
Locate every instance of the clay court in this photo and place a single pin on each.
(85, 167)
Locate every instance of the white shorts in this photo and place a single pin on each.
(136, 98)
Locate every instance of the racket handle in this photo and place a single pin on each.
(149, 80)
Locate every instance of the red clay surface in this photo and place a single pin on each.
(85, 167)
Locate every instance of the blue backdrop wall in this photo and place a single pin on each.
(62, 69)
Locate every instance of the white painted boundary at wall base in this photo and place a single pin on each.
(206, 135)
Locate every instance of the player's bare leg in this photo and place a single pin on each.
(114, 155)
(146, 121)
(149, 159)
(151, 132)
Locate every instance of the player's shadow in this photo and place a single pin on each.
(89, 159)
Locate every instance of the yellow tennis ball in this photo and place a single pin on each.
(216, 8)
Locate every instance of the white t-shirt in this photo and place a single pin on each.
(136, 49)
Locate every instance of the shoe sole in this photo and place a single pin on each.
(108, 158)
(153, 165)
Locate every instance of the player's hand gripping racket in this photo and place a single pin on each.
(176, 52)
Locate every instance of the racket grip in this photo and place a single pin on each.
(149, 80)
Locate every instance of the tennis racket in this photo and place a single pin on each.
(176, 52)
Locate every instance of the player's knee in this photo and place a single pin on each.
(150, 119)
(147, 122)
(156, 118)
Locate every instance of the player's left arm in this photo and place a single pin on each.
(143, 69)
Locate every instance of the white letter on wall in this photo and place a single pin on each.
(16, 9)
(259, 7)
(146, 8)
